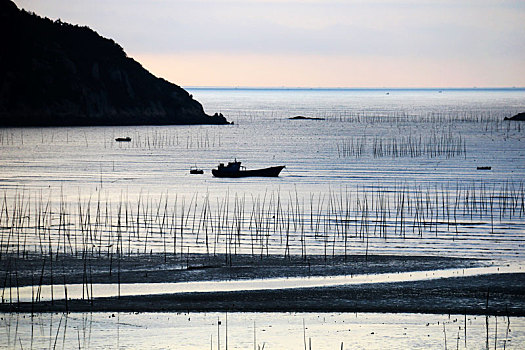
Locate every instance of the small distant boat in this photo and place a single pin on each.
(195, 170)
(123, 139)
(234, 169)
(484, 167)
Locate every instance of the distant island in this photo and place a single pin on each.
(519, 116)
(300, 117)
(58, 74)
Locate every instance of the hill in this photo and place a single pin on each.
(58, 74)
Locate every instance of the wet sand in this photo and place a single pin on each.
(501, 294)
(158, 268)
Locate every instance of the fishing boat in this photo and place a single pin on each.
(196, 171)
(234, 169)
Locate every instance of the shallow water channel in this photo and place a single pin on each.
(75, 291)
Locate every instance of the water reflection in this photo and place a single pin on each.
(75, 291)
(258, 330)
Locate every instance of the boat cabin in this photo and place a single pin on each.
(231, 167)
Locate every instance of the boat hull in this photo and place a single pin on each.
(266, 172)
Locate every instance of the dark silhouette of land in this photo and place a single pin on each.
(300, 117)
(519, 117)
(56, 74)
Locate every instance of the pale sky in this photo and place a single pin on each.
(312, 43)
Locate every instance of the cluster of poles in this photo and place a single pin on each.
(51, 224)
(149, 139)
(434, 145)
(440, 118)
(48, 229)
(158, 139)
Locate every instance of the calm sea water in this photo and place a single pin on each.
(158, 158)
(260, 331)
(344, 176)
(386, 171)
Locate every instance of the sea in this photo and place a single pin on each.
(367, 171)
(396, 169)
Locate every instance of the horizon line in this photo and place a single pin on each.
(349, 88)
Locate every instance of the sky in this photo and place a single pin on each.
(312, 43)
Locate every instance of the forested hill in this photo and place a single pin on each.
(57, 74)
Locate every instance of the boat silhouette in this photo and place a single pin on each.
(234, 169)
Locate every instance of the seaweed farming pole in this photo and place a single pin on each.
(254, 336)
(51, 266)
(287, 232)
(3, 209)
(57, 228)
(227, 247)
(147, 227)
(269, 221)
(181, 228)
(218, 334)
(491, 202)
(119, 245)
(205, 214)
(137, 229)
(65, 287)
(193, 199)
(164, 222)
(465, 329)
(300, 219)
(17, 284)
(173, 228)
(346, 221)
(365, 215)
